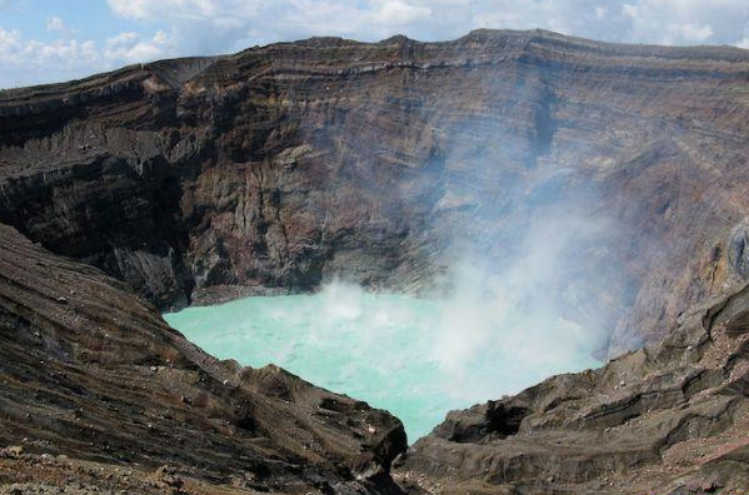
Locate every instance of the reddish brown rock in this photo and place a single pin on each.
(278, 167)
(102, 377)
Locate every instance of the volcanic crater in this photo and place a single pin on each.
(274, 170)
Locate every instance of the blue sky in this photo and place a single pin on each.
(45, 41)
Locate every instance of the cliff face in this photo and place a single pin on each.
(667, 419)
(278, 167)
(90, 371)
(273, 169)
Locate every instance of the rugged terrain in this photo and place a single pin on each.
(195, 180)
(99, 395)
(90, 371)
(278, 167)
(667, 419)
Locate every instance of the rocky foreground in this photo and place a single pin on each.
(91, 372)
(99, 395)
(668, 419)
(196, 180)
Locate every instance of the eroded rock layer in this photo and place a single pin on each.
(668, 419)
(280, 167)
(89, 371)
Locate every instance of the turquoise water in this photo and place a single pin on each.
(417, 358)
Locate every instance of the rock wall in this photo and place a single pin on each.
(90, 371)
(280, 167)
(670, 418)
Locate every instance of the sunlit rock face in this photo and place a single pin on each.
(417, 358)
(557, 178)
(390, 164)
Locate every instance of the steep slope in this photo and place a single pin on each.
(387, 163)
(668, 419)
(273, 169)
(90, 371)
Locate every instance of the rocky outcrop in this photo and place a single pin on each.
(279, 167)
(671, 419)
(88, 371)
(273, 169)
(99, 395)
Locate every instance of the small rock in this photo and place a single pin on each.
(167, 475)
(11, 452)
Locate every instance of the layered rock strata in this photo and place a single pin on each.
(91, 372)
(672, 418)
(280, 167)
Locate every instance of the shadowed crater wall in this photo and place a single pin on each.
(391, 165)
(275, 169)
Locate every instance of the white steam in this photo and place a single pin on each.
(496, 330)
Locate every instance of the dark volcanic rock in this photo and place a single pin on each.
(671, 418)
(90, 371)
(278, 167)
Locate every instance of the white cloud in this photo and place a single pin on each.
(695, 33)
(27, 61)
(203, 27)
(630, 10)
(55, 24)
(396, 12)
(684, 22)
(123, 39)
(30, 61)
(129, 47)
